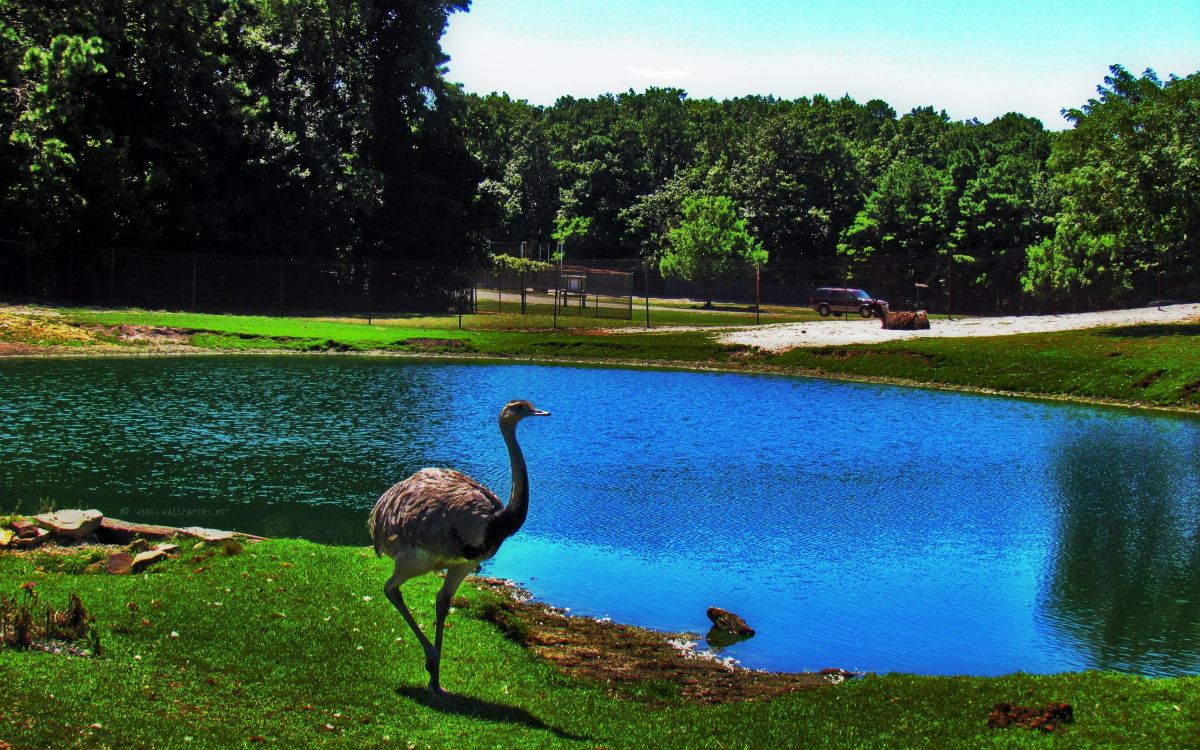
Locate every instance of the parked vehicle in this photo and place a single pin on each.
(837, 300)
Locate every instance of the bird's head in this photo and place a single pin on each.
(515, 411)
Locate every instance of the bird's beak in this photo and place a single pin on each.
(539, 413)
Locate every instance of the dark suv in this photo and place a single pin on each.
(838, 300)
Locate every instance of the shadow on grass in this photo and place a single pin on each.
(1154, 329)
(465, 705)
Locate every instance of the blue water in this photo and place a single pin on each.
(860, 526)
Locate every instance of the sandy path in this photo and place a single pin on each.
(856, 330)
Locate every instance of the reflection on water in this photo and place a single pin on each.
(1125, 577)
(856, 526)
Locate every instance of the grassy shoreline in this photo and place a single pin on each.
(1148, 366)
(289, 643)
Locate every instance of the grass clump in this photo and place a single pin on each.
(26, 621)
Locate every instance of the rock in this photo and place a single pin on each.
(24, 529)
(167, 549)
(36, 539)
(115, 531)
(72, 525)
(145, 559)
(120, 564)
(6, 536)
(729, 622)
(207, 535)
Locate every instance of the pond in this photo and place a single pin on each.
(858, 526)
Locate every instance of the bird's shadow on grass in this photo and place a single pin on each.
(465, 705)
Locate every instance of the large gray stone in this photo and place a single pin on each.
(71, 525)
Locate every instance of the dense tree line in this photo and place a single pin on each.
(1018, 212)
(306, 128)
(299, 127)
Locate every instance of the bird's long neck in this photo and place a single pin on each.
(505, 523)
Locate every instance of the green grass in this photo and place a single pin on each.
(1155, 365)
(1148, 364)
(539, 318)
(281, 645)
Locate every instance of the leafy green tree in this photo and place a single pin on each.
(711, 243)
(797, 183)
(1127, 178)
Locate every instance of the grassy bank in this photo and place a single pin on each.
(291, 644)
(1156, 365)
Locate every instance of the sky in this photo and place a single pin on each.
(971, 59)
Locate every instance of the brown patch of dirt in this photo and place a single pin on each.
(1149, 378)
(10, 349)
(1047, 719)
(152, 334)
(1190, 391)
(633, 661)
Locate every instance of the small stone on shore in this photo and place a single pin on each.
(145, 559)
(729, 622)
(119, 564)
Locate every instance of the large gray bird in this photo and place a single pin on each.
(441, 519)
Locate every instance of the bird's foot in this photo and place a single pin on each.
(437, 690)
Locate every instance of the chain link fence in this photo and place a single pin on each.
(569, 290)
(598, 288)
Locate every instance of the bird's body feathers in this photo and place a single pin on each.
(442, 512)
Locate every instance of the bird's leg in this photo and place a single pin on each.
(454, 578)
(391, 589)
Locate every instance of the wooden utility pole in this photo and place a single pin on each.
(757, 296)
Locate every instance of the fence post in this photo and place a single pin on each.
(757, 296)
(646, 283)
(630, 290)
(557, 291)
(367, 266)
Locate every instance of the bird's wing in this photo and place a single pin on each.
(441, 511)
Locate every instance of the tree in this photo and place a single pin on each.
(711, 243)
(798, 184)
(1127, 179)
